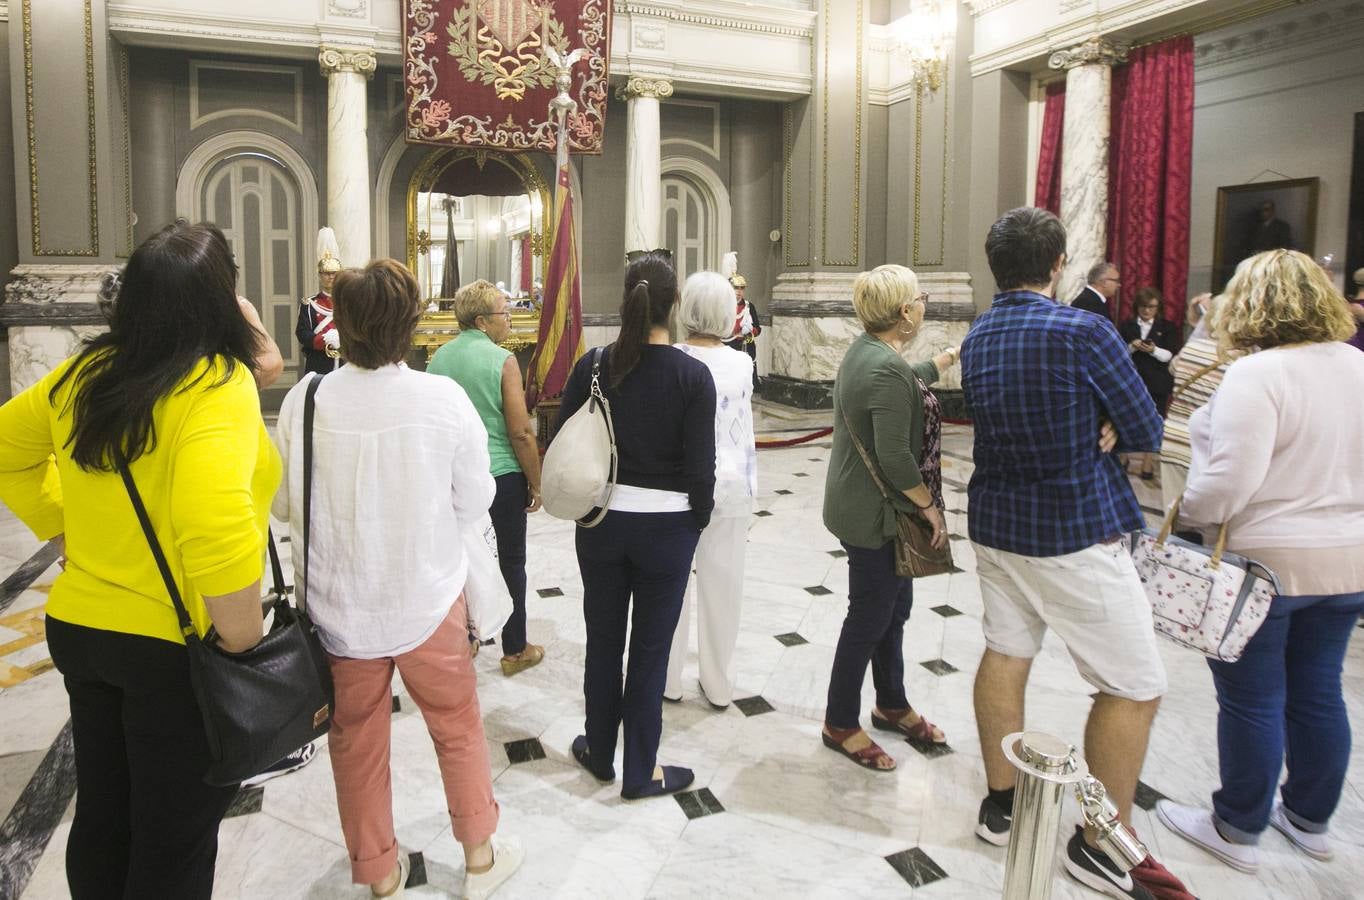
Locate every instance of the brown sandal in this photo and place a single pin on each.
(920, 732)
(868, 757)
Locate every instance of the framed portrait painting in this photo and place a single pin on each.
(1266, 215)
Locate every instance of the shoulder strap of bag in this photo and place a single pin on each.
(309, 410)
(276, 569)
(866, 459)
(186, 624)
(1193, 379)
(597, 397)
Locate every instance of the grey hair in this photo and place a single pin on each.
(1097, 271)
(708, 306)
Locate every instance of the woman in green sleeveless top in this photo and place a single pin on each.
(491, 377)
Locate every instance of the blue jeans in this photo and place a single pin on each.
(635, 568)
(1284, 694)
(508, 513)
(873, 631)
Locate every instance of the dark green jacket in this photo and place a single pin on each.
(876, 390)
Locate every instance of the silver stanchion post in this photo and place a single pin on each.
(1048, 766)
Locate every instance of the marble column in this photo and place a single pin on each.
(349, 186)
(643, 162)
(1084, 155)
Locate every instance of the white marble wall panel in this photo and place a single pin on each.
(1084, 172)
(811, 349)
(38, 349)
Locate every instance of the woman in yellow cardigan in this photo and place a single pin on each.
(169, 387)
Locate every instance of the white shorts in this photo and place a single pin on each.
(1092, 599)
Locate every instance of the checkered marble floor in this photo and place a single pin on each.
(773, 813)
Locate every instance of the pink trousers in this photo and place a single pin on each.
(440, 677)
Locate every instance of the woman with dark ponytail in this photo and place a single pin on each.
(663, 405)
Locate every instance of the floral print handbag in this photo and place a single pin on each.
(1202, 597)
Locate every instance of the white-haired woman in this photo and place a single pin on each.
(707, 318)
(882, 402)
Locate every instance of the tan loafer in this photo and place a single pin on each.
(531, 656)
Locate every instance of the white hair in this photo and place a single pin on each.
(708, 306)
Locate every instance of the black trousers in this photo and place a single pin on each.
(146, 824)
(879, 602)
(508, 513)
(647, 557)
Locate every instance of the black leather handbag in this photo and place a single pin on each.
(261, 705)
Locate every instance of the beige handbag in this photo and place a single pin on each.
(579, 471)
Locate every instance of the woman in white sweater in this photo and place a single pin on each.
(707, 318)
(1276, 455)
(399, 469)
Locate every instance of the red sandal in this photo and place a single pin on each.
(868, 757)
(921, 731)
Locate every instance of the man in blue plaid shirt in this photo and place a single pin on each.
(1053, 391)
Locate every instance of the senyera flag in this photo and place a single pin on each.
(477, 73)
(561, 316)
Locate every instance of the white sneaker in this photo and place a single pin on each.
(507, 857)
(1313, 844)
(404, 870)
(291, 763)
(1196, 826)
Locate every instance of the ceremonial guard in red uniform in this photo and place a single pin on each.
(746, 325)
(316, 332)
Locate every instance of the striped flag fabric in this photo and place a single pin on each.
(560, 341)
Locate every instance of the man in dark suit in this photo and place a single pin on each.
(1100, 295)
(1268, 233)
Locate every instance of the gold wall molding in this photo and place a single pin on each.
(856, 256)
(198, 66)
(127, 249)
(39, 249)
(919, 96)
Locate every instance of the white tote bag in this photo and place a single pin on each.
(579, 470)
(485, 593)
(1202, 598)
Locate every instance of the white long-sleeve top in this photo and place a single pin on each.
(400, 465)
(736, 454)
(1278, 453)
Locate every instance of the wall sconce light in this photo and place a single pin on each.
(924, 37)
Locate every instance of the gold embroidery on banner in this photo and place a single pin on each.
(34, 204)
(501, 42)
(856, 255)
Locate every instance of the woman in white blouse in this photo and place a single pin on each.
(1277, 456)
(400, 468)
(706, 316)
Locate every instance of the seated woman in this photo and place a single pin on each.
(707, 318)
(663, 405)
(1152, 341)
(883, 402)
(169, 390)
(1276, 460)
(400, 466)
(491, 377)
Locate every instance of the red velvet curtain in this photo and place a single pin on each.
(1149, 170)
(1048, 193)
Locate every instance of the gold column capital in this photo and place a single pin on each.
(647, 86)
(347, 59)
(1097, 50)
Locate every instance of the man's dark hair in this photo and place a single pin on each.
(1023, 246)
(1097, 271)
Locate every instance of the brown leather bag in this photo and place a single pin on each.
(915, 555)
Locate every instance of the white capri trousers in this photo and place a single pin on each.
(719, 589)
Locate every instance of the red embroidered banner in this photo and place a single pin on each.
(478, 74)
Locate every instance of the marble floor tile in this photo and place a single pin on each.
(797, 819)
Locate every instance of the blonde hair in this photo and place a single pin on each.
(708, 306)
(879, 295)
(1280, 297)
(478, 298)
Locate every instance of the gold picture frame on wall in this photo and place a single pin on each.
(1263, 215)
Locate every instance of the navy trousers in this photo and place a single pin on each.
(508, 513)
(873, 631)
(1284, 695)
(644, 557)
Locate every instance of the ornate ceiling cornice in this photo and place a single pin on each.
(758, 20)
(1314, 25)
